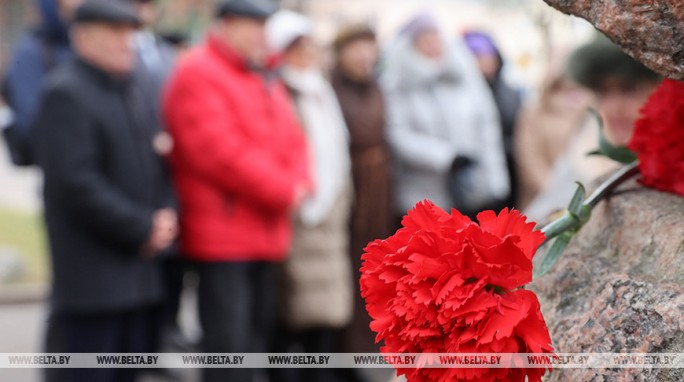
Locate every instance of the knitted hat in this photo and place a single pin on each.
(419, 24)
(285, 27)
(480, 43)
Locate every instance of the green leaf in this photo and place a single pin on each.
(553, 254)
(607, 149)
(577, 200)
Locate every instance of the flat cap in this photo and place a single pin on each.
(112, 12)
(258, 9)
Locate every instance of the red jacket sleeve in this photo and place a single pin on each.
(208, 142)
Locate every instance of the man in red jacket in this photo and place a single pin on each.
(239, 165)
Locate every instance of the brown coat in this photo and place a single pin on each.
(363, 107)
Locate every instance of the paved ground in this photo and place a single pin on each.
(21, 331)
(21, 328)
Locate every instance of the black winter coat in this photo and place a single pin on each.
(103, 181)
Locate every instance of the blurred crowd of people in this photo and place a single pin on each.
(246, 162)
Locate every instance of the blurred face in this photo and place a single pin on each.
(301, 54)
(358, 58)
(566, 95)
(489, 66)
(147, 11)
(109, 47)
(619, 102)
(430, 45)
(247, 36)
(67, 9)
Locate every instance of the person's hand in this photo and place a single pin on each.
(302, 191)
(164, 231)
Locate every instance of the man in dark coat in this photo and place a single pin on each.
(107, 195)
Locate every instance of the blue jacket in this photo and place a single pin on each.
(35, 54)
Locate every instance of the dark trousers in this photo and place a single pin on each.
(237, 310)
(130, 331)
(321, 340)
(174, 273)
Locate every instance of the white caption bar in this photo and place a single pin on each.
(344, 360)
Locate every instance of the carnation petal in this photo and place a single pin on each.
(658, 138)
(504, 265)
(424, 267)
(532, 329)
(391, 274)
(512, 223)
(424, 216)
(481, 302)
(423, 294)
(446, 284)
(501, 324)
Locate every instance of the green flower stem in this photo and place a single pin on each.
(611, 183)
(564, 223)
(571, 221)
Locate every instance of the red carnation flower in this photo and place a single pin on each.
(444, 284)
(658, 139)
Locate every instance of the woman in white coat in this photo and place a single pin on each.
(316, 293)
(439, 110)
